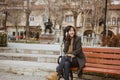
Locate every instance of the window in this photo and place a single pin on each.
(69, 18)
(118, 21)
(108, 21)
(86, 1)
(113, 21)
(31, 18)
(18, 34)
(13, 33)
(21, 33)
(45, 19)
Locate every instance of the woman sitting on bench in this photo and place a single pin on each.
(74, 56)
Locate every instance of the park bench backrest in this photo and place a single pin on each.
(104, 58)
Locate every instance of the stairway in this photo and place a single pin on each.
(28, 61)
(33, 60)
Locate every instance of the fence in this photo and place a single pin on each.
(91, 41)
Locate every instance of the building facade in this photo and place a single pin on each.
(39, 13)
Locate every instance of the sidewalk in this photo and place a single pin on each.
(11, 76)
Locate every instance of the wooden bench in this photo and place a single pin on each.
(102, 60)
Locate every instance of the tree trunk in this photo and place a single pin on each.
(75, 21)
(27, 25)
(5, 20)
(16, 32)
(84, 20)
(54, 24)
(27, 20)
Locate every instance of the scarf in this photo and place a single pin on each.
(70, 49)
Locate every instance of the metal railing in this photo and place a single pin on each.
(91, 41)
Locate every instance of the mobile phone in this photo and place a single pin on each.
(66, 34)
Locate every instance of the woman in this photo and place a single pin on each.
(74, 56)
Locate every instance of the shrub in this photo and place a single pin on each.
(113, 41)
(3, 39)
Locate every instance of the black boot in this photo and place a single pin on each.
(80, 72)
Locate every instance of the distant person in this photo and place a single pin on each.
(25, 34)
(37, 36)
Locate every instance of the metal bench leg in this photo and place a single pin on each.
(60, 76)
(71, 74)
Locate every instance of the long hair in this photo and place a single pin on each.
(67, 29)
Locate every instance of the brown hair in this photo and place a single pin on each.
(67, 29)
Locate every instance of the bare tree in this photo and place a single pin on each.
(14, 10)
(58, 12)
(14, 3)
(97, 13)
(15, 18)
(55, 9)
(75, 6)
(27, 11)
(3, 15)
(17, 6)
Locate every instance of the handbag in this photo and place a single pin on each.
(67, 58)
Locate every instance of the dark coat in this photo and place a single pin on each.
(77, 51)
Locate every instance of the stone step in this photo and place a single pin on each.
(27, 68)
(35, 51)
(50, 47)
(29, 57)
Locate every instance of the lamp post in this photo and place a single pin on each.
(104, 32)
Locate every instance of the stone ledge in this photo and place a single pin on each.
(30, 51)
(29, 57)
(27, 68)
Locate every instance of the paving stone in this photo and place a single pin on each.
(10, 76)
(26, 67)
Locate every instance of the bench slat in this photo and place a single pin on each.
(105, 50)
(102, 55)
(100, 70)
(99, 66)
(103, 66)
(103, 61)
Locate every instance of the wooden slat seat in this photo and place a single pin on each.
(103, 66)
(101, 70)
(104, 50)
(102, 60)
(102, 55)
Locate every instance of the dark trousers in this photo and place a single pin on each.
(65, 65)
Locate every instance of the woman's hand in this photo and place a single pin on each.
(71, 55)
(67, 38)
